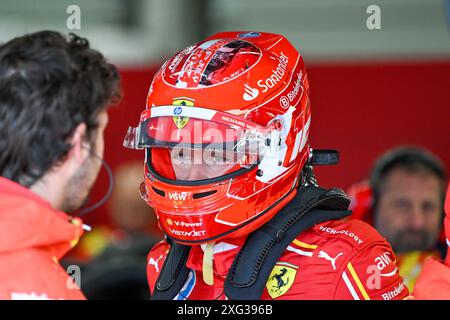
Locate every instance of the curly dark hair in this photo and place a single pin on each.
(49, 84)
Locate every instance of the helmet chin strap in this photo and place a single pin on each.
(208, 256)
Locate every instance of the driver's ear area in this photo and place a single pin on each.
(80, 145)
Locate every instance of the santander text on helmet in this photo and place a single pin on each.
(277, 74)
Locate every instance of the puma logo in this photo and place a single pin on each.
(154, 262)
(324, 255)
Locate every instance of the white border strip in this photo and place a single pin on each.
(191, 112)
(350, 286)
(300, 252)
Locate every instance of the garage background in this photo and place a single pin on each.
(370, 89)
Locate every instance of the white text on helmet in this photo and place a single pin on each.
(193, 233)
(179, 196)
(187, 224)
(277, 74)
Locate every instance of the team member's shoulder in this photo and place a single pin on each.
(356, 232)
(155, 261)
(37, 276)
(370, 272)
(335, 259)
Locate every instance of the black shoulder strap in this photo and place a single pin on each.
(254, 262)
(173, 274)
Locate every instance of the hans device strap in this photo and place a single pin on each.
(173, 273)
(254, 262)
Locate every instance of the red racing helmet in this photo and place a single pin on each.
(225, 134)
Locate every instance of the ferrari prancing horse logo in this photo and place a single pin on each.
(180, 122)
(281, 279)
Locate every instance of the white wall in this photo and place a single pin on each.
(324, 30)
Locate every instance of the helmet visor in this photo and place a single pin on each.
(199, 143)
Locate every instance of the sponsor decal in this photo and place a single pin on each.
(277, 74)
(169, 222)
(188, 224)
(382, 262)
(281, 279)
(286, 100)
(177, 111)
(179, 196)
(154, 262)
(181, 122)
(249, 35)
(179, 57)
(250, 93)
(192, 233)
(344, 232)
(195, 66)
(234, 121)
(393, 293)
(234, 74)
(297, 85)
(326, 256)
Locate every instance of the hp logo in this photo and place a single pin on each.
(177, 111)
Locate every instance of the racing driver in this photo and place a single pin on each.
(228, 170)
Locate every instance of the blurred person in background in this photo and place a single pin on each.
(404, 201)
(434, 280)
(113, 257)
(127, 209)
(54, 92)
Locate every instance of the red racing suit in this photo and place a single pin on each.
(332, 260)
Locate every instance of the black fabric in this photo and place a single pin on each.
(119, 271)
(324, 157)
(256, 259)
(173, 273)
(252, 266)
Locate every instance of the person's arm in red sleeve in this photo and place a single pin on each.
(434, 280)
(371, 274)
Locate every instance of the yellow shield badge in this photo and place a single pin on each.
(281, 279)
(180, 122)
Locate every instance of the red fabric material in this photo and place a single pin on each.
(447, 225)
(433, 282)
(33, 237)
(361, 201)
(162, 163)
(357, 250)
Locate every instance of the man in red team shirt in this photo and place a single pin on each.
(54, 92)
(228, 170)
